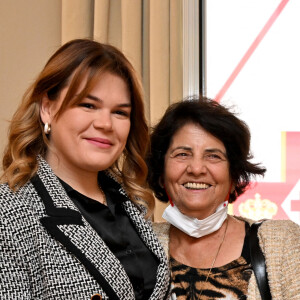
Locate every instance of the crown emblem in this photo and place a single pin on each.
(258, 208)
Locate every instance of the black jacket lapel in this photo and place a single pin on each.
(66, 216)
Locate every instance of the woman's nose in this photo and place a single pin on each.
(196, 166)
(103, 120)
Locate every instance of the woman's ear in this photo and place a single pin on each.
(49, 109)
(45, 110)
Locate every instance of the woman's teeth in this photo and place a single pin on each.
(196, 186)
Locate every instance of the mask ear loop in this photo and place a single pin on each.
(229, 192)
(169, 198)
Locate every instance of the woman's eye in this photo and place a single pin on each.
(87, 105)
(122, 113)
(215, 157)
(180, 155)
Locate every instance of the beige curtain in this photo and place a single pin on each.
(149, 33)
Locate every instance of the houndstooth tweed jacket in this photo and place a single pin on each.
(49, 251)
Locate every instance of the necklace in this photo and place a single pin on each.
(213, 263)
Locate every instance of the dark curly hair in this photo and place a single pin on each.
(219, 122)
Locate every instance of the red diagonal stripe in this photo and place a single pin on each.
(250, 51)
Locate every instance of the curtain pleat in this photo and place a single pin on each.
(176, 40)
(159, 58)
(101, 18)
(132, 24)
(77, 19)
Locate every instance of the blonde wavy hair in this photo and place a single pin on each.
(70, 65)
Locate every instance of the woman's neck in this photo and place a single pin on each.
(200, 252)
(84, 182)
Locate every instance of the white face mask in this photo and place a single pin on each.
(193, 226)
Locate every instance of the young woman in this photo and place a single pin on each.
(73, 203)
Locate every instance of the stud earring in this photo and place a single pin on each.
(47, 128)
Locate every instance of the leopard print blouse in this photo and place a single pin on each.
(226, 282)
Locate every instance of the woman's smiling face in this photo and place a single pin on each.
(91, 135)
(196, 174)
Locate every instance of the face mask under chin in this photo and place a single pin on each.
(193, 226)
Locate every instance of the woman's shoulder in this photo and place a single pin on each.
(276, 229)
(278, 233)
(161, 229)
(6, 195)
(283, 228)
(13, 203)
(268, 223)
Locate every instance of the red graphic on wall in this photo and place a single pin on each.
(251, 49)
(277, 200)
(277, 192)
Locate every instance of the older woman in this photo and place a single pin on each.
(73, 202)
(200, 161)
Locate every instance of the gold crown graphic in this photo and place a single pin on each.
(258, 208)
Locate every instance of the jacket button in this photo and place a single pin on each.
(96, 297)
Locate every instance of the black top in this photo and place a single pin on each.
(119, 234)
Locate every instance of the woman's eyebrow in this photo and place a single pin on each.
(214, 150)
(89, 96)
(92, 97)
(182, 148)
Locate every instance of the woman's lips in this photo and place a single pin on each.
(99, 142)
